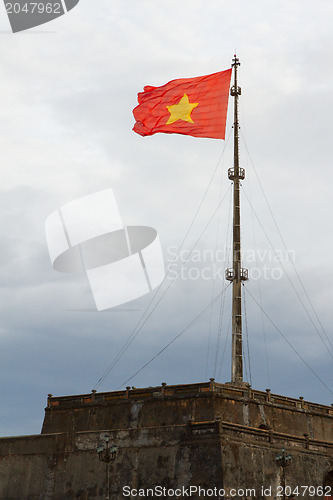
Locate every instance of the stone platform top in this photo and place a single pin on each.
(228, 391)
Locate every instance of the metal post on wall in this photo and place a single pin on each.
(283, 460)
(107, 453)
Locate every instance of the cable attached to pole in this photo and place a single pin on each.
(290, 345)
(199, 316)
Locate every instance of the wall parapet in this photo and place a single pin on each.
(188, 390)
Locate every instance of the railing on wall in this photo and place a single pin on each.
(187, 390)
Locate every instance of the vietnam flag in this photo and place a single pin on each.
(189, 106)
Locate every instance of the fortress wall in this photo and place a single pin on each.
(205, 435)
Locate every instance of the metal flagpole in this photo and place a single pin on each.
(237, 274)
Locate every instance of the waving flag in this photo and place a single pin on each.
(191, 106)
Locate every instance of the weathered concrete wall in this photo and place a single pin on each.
(249, 460)
(27, 465)
(130, 413)
(210, 454)
(176, 405)
(205, 435)
(169, 457)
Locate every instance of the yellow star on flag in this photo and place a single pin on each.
(181, 111)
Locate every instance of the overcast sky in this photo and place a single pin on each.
(68, 89)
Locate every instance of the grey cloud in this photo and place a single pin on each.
(66, 132)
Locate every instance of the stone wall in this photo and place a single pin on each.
(203, 435)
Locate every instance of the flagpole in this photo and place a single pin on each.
(237, 274)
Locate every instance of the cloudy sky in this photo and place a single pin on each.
(68, 89)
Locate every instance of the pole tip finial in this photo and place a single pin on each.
(235, 61)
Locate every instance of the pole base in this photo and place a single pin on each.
(239, 384)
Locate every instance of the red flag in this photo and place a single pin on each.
(190, 106)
